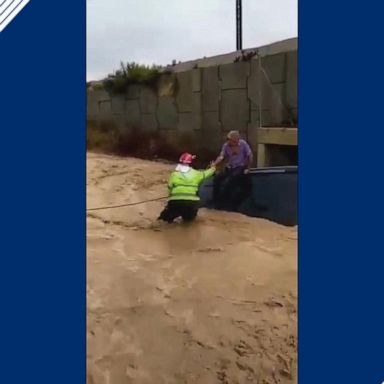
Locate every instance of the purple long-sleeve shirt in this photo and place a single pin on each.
(237, 156)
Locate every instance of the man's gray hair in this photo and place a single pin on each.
(233, 135)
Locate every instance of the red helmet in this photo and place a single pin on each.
(186, 158)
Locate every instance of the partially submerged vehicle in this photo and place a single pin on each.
(273, 195)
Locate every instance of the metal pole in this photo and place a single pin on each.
(239, 25)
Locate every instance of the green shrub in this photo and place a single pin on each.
(132, 73)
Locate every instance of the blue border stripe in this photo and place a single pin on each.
(42, 248)
(341, 264)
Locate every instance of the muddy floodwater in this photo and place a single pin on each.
(209, 303)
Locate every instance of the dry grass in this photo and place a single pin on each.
(106, 138)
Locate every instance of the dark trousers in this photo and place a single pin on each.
(230, 187)
(186, 209)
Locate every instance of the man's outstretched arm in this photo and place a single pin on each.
(220, 158)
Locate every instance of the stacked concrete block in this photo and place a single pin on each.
(186, 123)
(133, 92)
(252, 129)
(105, 107)
(98, 104)
(291, 84)
(274, 109)
(167, 85)
(210, 119)
(253, 85)
(184, 92)
(167, 113)
(204, 103)
(148, 100)
(234, 103)
(133, 113)
(234, 76)
(122, 124)
(148, 107)
(274, 66)
(267, 88)
(197, 110)
(92, 104)
(186, 100)
(210, 89)
(211, 131)
(118, 105)
(234, 109)
(196, 80)
(149, 123)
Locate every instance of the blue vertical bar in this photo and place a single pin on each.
(42, 194)
(341, 305)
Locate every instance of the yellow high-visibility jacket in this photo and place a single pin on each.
(185, 185)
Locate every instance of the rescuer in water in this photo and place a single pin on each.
(183, 186)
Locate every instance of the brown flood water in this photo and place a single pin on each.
(212, 302)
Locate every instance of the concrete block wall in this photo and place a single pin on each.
(203, 103)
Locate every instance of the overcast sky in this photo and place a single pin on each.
(158, 31)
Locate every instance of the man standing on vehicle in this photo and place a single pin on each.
(232, 184)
